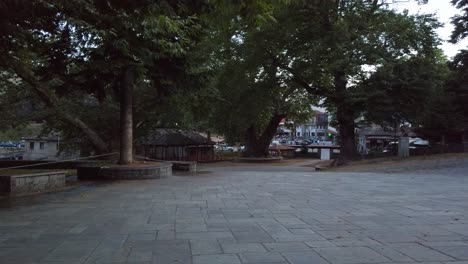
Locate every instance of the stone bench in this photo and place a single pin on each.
(190, 166)
(137, 171)
(14, 185)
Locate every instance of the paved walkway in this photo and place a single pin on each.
(234, 216)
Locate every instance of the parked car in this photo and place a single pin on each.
(418, 143)
(225, 148)
(228, 148)
(10, 144)
(307, 142)
(414, 143)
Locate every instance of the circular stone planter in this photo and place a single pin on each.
(260, 160)
(126, 172)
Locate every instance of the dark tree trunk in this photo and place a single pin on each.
(258, 146)
(126, 117)
(346, 129)
(99, 145)
(345, 117)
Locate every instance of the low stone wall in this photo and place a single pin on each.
(184, 166)
(15, 185)
(158, 171)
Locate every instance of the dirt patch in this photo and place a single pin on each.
(284, 162)
(397, 165)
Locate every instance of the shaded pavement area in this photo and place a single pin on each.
(247, 214)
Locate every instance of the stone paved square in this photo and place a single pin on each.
(350, 255)
(246, 214)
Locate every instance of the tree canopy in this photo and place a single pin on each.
(330, 48)
(78, 63)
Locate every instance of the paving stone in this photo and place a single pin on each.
(203, 235)
(458, 252)
(420, 252)
(320, 243)
(338, 234)
(301, 231)
(139, 237)
(304, 258)
(166, 235)
(390, 253)
(348, 255)
(356, 242)
(216, 259)
(170, 251)
(140, 255)
(391, 236)
(445, 243)
(242, 247)
(267, 257)
(291, 222)
(205, 246)
(252, 236)
(275, 229)
(454, 237)
(298, 238)
(286, 246)
(424, 262)
(108, 255)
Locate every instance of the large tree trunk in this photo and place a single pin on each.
(345, 117)
(347, 135)
(258, 146)
(126, 117)
(50, 100)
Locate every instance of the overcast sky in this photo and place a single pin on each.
(444, 11)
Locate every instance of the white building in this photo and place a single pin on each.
(316, 128)
(47, 148)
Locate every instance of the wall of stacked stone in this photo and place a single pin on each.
(136, 172)
(184, 165)
(31, 183)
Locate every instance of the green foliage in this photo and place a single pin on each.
(330, 49)
(246, 87)
(79, 51)
(458, 85)
(402, 91)
(222, 64)
(460, 22)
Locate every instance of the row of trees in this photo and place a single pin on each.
(79, 62)
(236, 67)
(359, 58)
